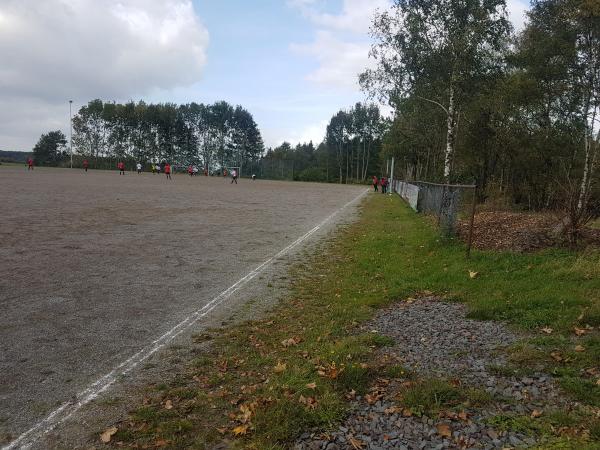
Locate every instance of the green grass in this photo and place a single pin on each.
(389, 254)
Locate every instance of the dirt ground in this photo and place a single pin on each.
(521, 231)
(95, 266)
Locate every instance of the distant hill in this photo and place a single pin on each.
(13, 156)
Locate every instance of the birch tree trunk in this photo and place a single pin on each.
(451, 133)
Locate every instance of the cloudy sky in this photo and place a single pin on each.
(292, 63)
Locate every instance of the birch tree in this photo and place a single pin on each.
(437, 51)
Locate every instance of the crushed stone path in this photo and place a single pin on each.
(434, 339)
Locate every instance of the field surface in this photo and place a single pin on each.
(93, 267)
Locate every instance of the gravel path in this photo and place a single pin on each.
(434, 339)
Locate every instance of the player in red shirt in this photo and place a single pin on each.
(168, 171)
(121, 167)
(191, 171)
(85, 164)
(375, 183)
(29, 164)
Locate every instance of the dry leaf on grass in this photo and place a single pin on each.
(579, 348)
(444, 430)
(290, 342)
(161, 443)
(108, 434)
(536, 413)
(241, 430)
(463, 415)
(547, 330)
(473, 274)
(311, 385)
(168, 404)
(279, 367)
(556, 356)
(580, 331)
(598, 382)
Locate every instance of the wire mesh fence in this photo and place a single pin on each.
(449, 203)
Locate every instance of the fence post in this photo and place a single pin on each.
(392, 177)
(472, 224)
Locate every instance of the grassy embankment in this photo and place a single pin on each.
(263, 382)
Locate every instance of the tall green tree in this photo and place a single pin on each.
(50, 149)
(437, 51)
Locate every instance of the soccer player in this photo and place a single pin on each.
(191, 171)
(234, 176)
(85, 164)
(29, 164)
(158, 168)
(138, 166)
(253, 177)
(168, 171)
(121, 167)
(375, 183)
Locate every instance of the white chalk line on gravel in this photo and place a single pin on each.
(67, 409)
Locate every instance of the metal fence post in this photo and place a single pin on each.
(472, 224)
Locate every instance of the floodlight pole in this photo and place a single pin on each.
(71, 131)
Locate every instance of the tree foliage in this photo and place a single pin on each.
(50, 149)
(526, 106)
(212, 136)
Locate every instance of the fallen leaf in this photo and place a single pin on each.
(311, 385)
(580, 317)
(240, 430)
(222, 430)
(161, 443)
(598, 382)
(579, 348)
(108, 434)
(444, 430)
(355, 443)
(168, 404)
(291, 341)
(580, 331)
(547, 330)
(279, 367)
(393, 410)
(407, 412)
(536, 413)
(463, 415)
(473, 274)
(557, 356)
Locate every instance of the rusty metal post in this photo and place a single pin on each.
(472, 224)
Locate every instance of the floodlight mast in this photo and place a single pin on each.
(71, 131)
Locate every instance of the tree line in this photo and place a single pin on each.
(349, 152)
(474, 101)
(210, 136)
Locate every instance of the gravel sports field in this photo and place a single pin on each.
(95, 267)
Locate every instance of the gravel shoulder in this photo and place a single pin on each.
(433, 340)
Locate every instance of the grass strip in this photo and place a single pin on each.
(264, 382)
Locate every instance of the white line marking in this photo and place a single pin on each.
(66, 410)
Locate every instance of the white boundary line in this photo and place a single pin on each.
(67, 409)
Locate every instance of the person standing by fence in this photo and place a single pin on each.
(375, 183)
(384, 184)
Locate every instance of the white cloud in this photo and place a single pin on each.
(341, 45)
(56, 50)
(355, 16)
(340, 61)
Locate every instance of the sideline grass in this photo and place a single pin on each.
(264, 382)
